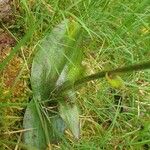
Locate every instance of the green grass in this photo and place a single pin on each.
(116, 33)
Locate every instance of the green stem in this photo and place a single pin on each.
(135, 67)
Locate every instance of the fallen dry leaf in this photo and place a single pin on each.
(5, 10)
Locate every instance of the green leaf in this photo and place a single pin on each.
(41, 129)
(55, 51)
(57, 54)
(48, 62)
(115, 81)
(70, 114)
(75, 73)
(34, 136)
(67, 106)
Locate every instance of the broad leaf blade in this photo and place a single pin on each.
(34, 135)
(57, 51)
(41, 129)
(70, 114)
(71, 72)
(67, 105)
(115, 81)
(48, 62)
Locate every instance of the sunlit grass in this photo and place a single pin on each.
(116, 33)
